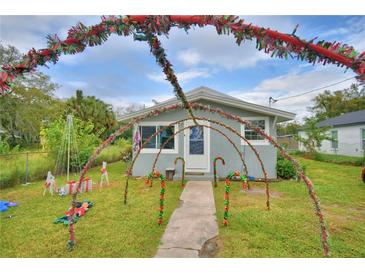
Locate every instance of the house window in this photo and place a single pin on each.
(251, 135)
(363, 138)
(334, 141)
(155, 143)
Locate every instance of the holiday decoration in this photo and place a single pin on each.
(71, 188)
(71, 217)
(182, 170)
(50, 184)
(136, 140)
(152, 175)
(104, 175)
(145, 28)
(87, 185)
(162, 197)
(235, 175)
(227, 189)
(215, 168)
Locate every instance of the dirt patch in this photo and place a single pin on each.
(211, 248)
(261, 191)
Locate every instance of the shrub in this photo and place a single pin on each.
(285, 169)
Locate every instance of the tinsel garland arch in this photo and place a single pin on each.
(278, 44)
(223, 114)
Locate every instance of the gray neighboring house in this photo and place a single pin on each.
(348, 133)
(200, 145)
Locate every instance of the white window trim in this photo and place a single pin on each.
(256, 142)
(156, 150)
(335, 149)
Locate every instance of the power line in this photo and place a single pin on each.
(272, 100)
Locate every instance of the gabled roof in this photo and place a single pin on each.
(217, 97)
(356, 117)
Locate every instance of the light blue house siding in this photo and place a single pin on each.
(219, 146)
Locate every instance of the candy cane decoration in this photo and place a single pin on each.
(183, 170)
(151, 176)
(215, 168)
(227, 189)
(162, 199)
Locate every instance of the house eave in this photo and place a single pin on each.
(282, 115)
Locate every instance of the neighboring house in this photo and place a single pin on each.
(200, 145)
(348, 133)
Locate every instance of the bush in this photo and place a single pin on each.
(285, 169)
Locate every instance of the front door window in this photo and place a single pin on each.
(196, 140)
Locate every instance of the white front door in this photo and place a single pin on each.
(197, 147)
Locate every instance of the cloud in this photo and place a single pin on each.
(183, 77)
(203, 46)
(294, 83)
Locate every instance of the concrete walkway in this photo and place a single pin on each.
(192, 224)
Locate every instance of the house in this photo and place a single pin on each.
(199, 145)
(347, 132)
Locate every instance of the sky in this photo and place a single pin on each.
(122, 71)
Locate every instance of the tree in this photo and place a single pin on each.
(30, 104)
(89, 108)
(85, 140)
(331, 104)
(290, 128)
(314, 135)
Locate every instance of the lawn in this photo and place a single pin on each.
(109, 229)
(290, 228)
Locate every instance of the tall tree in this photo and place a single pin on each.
(331, 104)
(30, 104)
(89, 108)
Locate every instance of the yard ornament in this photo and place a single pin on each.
(104, 175)
(215, 168)
(50, 184)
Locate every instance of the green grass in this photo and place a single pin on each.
(13, 167)
(109, 229)
(333, 158)
(290, 228)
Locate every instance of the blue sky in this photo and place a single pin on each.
(122, 71)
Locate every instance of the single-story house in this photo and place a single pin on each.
(347, 132)
(199, 145)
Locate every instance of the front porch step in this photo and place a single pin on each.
(203, 177)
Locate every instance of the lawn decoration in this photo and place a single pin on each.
(182, 170)
(71, 187)
(87, 185)
(227, 189)
(81, 209)
(235, 175)
(146, 28)
(215, 168)
(162, 198)
(152, 175)
(4, 205)
(50, 184)
(68, 159)
(104, 175)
